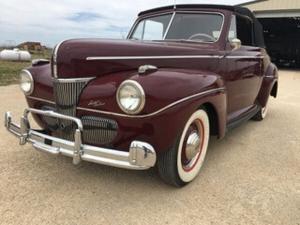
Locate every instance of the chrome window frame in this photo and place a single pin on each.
(138, 20)
(172, 20)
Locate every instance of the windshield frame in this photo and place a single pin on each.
(131, 32)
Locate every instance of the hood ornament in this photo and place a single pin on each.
(144, 69)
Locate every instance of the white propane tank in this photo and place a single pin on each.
(15, 55)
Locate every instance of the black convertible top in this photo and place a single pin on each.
(190, 6)
(258, 29)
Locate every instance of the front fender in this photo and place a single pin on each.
(171, 98)
(162, 88)
(161, 129)
(269, 85)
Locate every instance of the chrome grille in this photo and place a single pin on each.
(98, 130)
(66, 95)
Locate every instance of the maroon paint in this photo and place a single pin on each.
(176, 84)
(244, 79)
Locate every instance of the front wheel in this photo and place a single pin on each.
(182, 163)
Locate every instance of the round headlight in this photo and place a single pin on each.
(26, 82)
(131, 97)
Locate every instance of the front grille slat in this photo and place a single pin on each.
(66, 95)
(97, 130)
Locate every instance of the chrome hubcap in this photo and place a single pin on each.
(192, 146)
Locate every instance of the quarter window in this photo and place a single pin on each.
(232, 31)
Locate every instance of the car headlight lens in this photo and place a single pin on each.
(131, 97)
(26, 82)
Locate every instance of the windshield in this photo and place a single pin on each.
(203, 27)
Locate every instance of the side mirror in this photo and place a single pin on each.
(235, 43)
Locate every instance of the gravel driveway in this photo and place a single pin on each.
(250, 177)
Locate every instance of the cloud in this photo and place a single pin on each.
(51, 21)
(85, 17)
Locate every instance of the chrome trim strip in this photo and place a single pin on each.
(56, 50)
(91, 58)
(74, 80)
(41, 99)
(156, 112)
(55, 58)
(169, 25)
(244, 57)
(152, 57)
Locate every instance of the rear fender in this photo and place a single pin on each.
(269, 85)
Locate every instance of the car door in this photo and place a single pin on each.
(243, 75)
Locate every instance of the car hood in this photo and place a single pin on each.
(95, 57)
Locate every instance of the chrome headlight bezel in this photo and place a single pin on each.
(26, 75)
(141, 93)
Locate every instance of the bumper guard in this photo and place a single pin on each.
(141, 155)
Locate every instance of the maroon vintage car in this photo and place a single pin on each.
(183, 74)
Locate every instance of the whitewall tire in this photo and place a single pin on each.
(262, 113)
(182, 163)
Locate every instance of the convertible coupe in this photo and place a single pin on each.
(184, 73)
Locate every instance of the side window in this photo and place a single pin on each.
(244, 27)
(152, 28)
(138, 33)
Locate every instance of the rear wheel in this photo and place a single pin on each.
(182, 163)
(262, 113)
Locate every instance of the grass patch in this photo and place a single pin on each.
(9, 70)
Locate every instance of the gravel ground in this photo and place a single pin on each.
(250, 177)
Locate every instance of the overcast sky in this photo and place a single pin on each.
(50, 21)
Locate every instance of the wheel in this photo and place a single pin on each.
(182, 162)
(262, 113)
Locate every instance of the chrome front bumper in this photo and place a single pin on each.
(141, 155)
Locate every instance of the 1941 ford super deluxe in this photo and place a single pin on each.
(185, 72)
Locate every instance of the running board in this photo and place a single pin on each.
(243, 118)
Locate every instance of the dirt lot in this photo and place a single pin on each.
(250, 177)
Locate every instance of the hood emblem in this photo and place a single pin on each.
(96, 103)
(144, 69)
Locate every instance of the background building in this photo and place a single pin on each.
(281, 22)
(31, 46)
